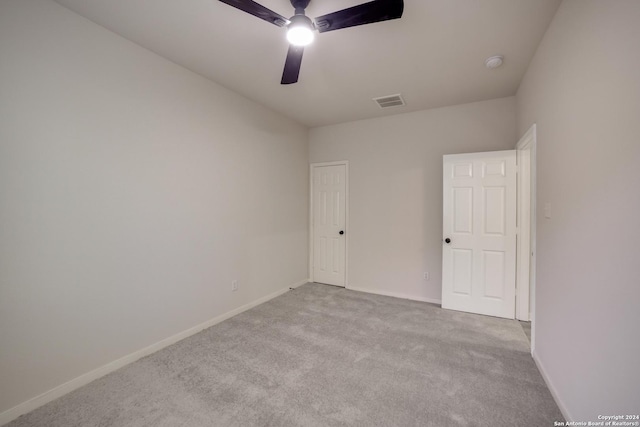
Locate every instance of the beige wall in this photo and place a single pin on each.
(395, 184)
(583, 91)
(132, 192)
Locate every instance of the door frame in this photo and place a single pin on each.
(312, 167)
(526, 257)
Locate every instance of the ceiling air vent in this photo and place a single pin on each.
(389, 101)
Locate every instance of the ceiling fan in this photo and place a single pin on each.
(300, 29)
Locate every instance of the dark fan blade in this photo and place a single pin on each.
(367, 13)
(292, 65)
(258, 10)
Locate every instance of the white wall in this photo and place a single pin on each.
(132, 192)
(583, 91)
(395, 184)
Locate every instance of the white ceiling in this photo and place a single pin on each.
(434, 55)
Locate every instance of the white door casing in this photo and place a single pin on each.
(526, 261)
(526, 165)
(479, 219)
(328, 222)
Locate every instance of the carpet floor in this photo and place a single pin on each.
(324, 356)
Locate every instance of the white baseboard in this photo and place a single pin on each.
(59, 391)
(300, 283)
(396, 295)
(565, 412)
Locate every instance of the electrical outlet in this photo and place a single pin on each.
(234, 285)
(426, 275)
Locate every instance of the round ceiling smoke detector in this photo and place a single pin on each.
(494, 62)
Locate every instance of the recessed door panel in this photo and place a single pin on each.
(463, 170)
(336, 217)
(322, 207)
(494, 210)
(497, 168)
(462, 271)
(493, 274)
(336, 253)
(463, 210)
(322, 254)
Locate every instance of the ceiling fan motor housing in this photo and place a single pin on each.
(300, 5)
(301, 19)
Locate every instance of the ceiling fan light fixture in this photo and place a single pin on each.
(300, 31)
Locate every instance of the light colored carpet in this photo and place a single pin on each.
(526, 327)
(324, 356)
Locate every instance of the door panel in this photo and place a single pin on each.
(329, 218)
(462, 271)
(479, 213)
(494, 211)
(493, 274)
(463, 210)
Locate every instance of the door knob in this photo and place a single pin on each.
(447, 240)
(341, 231)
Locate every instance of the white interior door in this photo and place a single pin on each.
(329, 223)
(479, 233)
